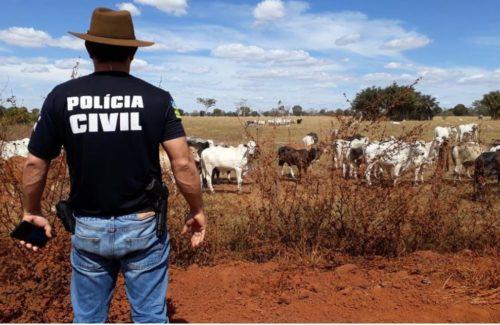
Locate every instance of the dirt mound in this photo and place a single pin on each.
(457, 288)
(248, 292)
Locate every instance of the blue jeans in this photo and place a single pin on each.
(101, 247)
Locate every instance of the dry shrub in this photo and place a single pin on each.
(320, 214)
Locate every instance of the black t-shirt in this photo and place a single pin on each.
(111, 125)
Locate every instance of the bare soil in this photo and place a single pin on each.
(422, 287)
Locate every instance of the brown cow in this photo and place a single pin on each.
(486, 165)
(302, 158)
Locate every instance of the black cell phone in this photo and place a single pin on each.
(30, 233)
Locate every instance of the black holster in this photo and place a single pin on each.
(157, 194)
(65, 213)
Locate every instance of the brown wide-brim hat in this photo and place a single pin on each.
(112, 27)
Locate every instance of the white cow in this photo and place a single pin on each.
(227, 159)
(310, 139)
(345, 151)
(464, 155)
(340, 148)
(279, 121)
(445, 132)
(470, 130)
(397, 157)
(424, 154)
(351, 157)
(14, 148)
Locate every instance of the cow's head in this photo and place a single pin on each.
(251, 147)
(313, 154)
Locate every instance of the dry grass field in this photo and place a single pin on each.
(230, 129)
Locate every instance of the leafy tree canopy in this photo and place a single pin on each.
(396, 103)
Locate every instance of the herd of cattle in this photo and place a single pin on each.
(277, 121)
(390, 157)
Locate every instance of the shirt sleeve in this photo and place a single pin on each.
(173, 125)
(45, 142)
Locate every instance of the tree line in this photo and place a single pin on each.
(18, 115)
(394, 102)
(405, 103)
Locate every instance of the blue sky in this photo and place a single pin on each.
(300, 52)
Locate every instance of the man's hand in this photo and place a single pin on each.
(195, 225)
(38, 221)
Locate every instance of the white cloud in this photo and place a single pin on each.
(393, 65)
(25, 37)
(306, 76)
(183, 39)
(134, 11)
(175, 7)
(384, 77)
(170, 47)
(348, 39)
(70, 63)
(197, 70)
(139, 64)
(331, 31)
(268, 10)
(406, 43)
(30, 37)
(35, 69)
(472, 78)
(240, 52)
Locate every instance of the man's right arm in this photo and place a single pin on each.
(188, 181)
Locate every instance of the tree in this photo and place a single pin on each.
(396, 103)
(207, 102)
(35, 112)
(297, 110)
(218, 112)
(18, 115)
(245, 111)
(255, 113)
(490, 103)
(281, 111)
(460, 110)
(242, 107)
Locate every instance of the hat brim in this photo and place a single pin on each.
(112, 41)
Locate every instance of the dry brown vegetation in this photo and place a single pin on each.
(320, 214)
(306, 222)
